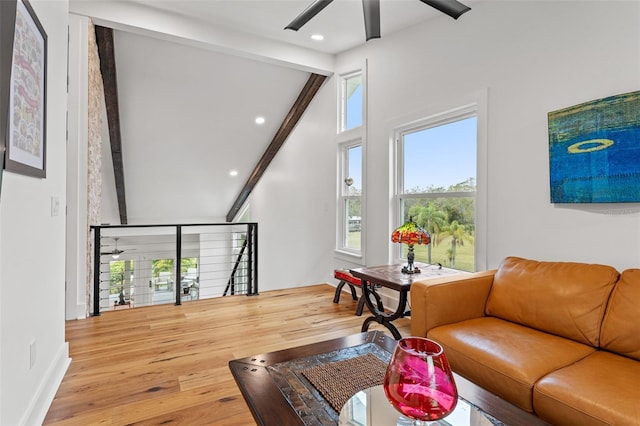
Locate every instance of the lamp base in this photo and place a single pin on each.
(413, 270)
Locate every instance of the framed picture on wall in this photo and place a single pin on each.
(594, 151)
(26, 141)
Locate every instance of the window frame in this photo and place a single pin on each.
(342, 100)
(344, 140)
(344, 196)
(478, 109)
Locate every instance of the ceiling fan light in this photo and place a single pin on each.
(116, 253)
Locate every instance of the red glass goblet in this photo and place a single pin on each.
(419, 382)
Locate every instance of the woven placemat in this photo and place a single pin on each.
(338, 381)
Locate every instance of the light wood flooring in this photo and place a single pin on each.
(168, 364)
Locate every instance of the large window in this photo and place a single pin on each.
(351, 197)
(436, 187)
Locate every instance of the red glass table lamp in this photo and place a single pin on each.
(410, 233)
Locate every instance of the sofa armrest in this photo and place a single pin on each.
(448, 299)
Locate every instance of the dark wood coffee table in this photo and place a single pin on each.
(269, 406)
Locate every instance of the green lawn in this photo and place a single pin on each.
(464, 254)
(354, 240)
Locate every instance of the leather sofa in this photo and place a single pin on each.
(557, 339)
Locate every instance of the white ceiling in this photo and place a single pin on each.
(192, 77)
(341, 23)
(188, 118)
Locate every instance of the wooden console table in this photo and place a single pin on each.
(391, 276)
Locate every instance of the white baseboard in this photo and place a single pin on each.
(77, 312)
(81, 311)
(41, 401)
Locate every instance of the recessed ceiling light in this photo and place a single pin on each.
(317, 37)
(259, 120)
(233, 173)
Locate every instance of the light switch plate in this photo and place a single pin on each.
(55, 206)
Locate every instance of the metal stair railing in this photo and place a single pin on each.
(199, 260)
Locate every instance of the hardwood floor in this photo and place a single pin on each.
(168, 364)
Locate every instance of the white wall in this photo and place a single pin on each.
(32, 259)
(531, 58)
(294, 202)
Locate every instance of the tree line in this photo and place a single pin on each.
(447, 218)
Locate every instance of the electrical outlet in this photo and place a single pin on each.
(32, 354)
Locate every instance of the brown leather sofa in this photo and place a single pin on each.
(558, 339)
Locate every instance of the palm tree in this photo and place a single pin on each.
(459, 234)
(432, 220)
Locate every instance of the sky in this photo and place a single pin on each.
(440, 156)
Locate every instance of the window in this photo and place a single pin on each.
(351, 146)
(351, 97)
(162, 273)
(436, 186)
(350, 200)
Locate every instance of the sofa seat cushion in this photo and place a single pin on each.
(505, 358)
(603, 388)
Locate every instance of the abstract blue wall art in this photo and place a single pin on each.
(594, 151)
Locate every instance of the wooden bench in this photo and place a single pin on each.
(345, 278)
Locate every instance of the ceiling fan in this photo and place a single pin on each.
(371, 10)
(115, 253)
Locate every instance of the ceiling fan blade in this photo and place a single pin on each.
(116, 251)
(307, 14)
(371, 9)
(452, 8)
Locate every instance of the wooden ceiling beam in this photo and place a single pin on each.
(104, 39)
(288, 124)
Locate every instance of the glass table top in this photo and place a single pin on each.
(370, 407)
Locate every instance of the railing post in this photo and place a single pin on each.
(252, 259)
(255, 254)
(178, 265)
(96, 270)
(249, 259)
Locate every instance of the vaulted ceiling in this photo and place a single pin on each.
(192, 76)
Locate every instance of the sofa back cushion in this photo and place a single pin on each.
(563, 298)
(620, 333)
